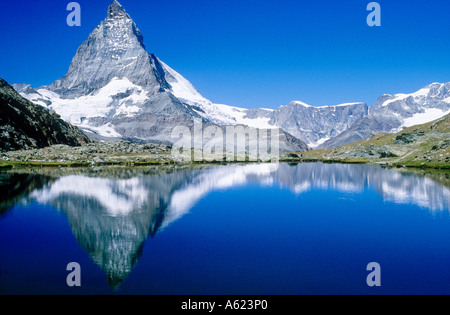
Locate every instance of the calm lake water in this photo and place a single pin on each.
(232, 229)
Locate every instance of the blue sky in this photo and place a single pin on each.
(250, 53)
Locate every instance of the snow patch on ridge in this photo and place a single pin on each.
(428, 115)
(215, 179)
(424, 92)
(218, 113)
(181, 87)
(239, 117)
(317, 143)
(118, 198)
(125, 96)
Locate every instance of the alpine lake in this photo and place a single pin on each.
(240, 229)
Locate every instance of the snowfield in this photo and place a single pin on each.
(430, 114)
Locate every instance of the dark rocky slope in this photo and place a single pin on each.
(25, 125)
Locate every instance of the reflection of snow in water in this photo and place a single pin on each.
(400, 187)
(221, 177)
(416, 190)
(112, 218)
(118, 196)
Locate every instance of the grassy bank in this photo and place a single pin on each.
(30, 164)
(4, 165)
(385, 162)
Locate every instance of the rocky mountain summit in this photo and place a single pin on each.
(114, 49)
(115, 89)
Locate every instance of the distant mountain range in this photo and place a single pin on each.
(391, 113)
(115, 89)
(425, 145)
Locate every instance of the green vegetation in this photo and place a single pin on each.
(423, 164)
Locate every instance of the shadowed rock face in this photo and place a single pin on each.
(24, 125)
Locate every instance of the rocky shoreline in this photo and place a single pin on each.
(129, 154)
(94, 153)
(421, 146)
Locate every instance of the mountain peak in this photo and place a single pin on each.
(114, 49)
(115, 10)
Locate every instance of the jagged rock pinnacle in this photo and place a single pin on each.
(115, 9)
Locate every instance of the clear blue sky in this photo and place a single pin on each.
(250, 53)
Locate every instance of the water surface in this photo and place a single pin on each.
(231, 229)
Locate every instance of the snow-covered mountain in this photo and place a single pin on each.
(427, 104)
(315, 125)
(115, 89)
(391, 113)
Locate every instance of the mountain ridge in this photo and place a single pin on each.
(424, 145)
(391, 113)
(115, 89)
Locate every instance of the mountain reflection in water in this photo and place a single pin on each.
(113, 212)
